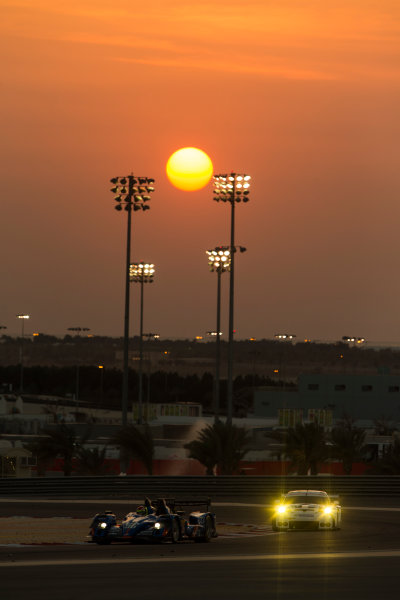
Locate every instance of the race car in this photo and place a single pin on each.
(306, 509)
(164, 521)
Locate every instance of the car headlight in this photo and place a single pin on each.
(103, 525)
(327, 510)
(281, 509)
(157, 525)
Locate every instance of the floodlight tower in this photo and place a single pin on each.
(232, 188)
(141, 273)
(219, 260)
(130, 193)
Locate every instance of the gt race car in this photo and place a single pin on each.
(164, 521)
(306, 509)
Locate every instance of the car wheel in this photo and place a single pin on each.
(208, 531)
(276, 528)
(175, 533)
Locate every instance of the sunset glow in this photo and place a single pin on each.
(302, 95)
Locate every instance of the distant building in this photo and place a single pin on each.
(326, 398)
(169, 411)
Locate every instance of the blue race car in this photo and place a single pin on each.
(164, 521)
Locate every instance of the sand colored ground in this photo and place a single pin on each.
(64, 530)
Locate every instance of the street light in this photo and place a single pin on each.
(141, 273)
(21, 352)
(130, 193)
(219, 260)
(232, 188)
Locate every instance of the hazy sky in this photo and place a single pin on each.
(303, 95)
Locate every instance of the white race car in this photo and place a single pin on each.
(306, 509)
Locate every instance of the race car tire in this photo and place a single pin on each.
(208, 532)
(175, 533)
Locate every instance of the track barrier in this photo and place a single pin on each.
(233, 488)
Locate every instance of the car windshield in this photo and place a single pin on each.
(303, 499)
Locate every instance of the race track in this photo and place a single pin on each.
(362, 560)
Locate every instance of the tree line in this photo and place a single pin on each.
(220, 448)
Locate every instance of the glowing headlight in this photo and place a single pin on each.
(281, 509)
(157, 525)
(328, 510)
(103, 525)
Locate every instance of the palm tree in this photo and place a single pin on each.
(348, 443)
(203, 450)
(220, 445)
(305, 447)
(138, 443)
(91, 461)
(58, 441)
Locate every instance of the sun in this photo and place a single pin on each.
(189, 169)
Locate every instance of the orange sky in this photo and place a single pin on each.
(302, 96)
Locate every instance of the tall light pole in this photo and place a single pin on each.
(101, 367)
(21, 352)
(149, 336)
(141, 273)
(232, 188)
(219, 260)
(78, 331)
(130, 193)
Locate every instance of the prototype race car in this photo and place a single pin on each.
(307, 509)
(165, 521)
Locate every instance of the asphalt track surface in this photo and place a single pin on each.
(360, 561)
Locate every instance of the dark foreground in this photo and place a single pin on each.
(361, 561)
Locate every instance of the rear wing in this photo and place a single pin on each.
(174, 504)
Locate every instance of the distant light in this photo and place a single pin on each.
(231, 188)
(23, 316)
(141, 272)
(219, 259)
(276, 370)
(353, 339)
(284, 336)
